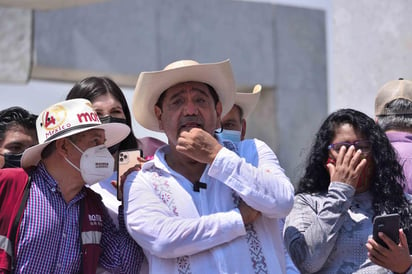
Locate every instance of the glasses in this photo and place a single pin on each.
(363, 145)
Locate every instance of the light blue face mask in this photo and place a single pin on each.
(231, 135)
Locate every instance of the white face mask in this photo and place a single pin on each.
(96, 164)
(231, 135)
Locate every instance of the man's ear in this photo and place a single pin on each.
(158, 113)
(219, 109)
(61, 147)
(243, 131)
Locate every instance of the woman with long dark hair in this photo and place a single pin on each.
(352, 175)
(109, 102)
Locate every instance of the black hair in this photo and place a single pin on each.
(387, 180)
(92, 87)
(14, 116)
(212, 91)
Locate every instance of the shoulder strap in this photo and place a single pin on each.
(18, 217)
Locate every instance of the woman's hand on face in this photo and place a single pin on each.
(349, 165)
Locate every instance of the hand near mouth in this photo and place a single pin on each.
(347, 167)
(198, 145)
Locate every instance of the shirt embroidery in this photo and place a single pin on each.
(183, 265)
(255, 250)
(162, 189)
(255, 247)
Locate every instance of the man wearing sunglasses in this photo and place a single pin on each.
(393, 111)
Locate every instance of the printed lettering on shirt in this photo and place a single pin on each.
(95, 219)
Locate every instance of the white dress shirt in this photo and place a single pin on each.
(184, 231)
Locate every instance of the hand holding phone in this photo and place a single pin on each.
(389, 225)
(127, 161)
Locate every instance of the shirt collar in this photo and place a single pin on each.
(48, 180)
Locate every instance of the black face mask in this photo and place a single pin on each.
(11, 160)
(111, 119)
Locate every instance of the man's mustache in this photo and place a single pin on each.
(191, 120)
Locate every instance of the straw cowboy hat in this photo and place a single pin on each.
(150, 85)
(248, 101)
(68, 118)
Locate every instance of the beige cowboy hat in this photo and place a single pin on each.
(248, 101)
(150, 85)
(68, 118)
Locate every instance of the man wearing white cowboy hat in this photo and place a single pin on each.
(234, 122)
(53, 222)
(198, 207)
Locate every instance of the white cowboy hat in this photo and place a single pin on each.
(150, 85)
(247, 101)
(68, 118)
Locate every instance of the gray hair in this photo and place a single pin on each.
(396, 121)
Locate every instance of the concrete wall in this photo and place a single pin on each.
(15, 44)
(132, 36)
(371, 44)
(301, 86)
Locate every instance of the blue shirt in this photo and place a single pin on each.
(49, 234)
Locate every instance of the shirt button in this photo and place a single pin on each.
(53, 189)
(64, 235)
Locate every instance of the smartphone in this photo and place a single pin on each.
(388, 224)
(126, 160)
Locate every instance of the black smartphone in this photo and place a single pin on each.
(126, 160)
(388, 224)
